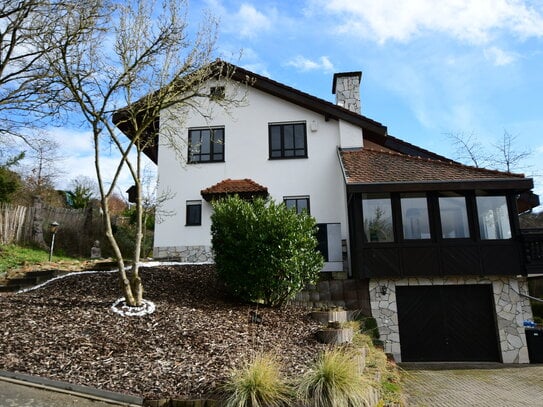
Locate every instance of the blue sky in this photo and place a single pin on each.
(430, 68)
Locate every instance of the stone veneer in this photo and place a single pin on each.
(511, 310)
(189, 254)
(348, 92)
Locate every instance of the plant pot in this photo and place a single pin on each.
(335, 336)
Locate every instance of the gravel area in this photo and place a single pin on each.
(67, 331)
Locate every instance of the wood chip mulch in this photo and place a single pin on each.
(67, 331)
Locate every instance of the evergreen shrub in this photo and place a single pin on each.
(264, 252)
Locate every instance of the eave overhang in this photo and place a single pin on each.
(510, 185)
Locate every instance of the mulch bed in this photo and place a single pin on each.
(67, 331)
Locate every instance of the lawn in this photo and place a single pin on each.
(14, 257)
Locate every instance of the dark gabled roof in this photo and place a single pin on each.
(371, 169)
(246, 188)
(374, 130)
(404, 147)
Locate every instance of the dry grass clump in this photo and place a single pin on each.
(258, 384)
(336, 381)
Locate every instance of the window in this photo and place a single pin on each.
(377, 216)
(415, 217)
(454, 217)
(216, 93)
(206, 145)
(493, 217)
(288, 140)
(194, 213)
(299, 203)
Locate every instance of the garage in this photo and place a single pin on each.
(447, 323)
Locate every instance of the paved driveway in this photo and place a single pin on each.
(16, 395)
(495, 385)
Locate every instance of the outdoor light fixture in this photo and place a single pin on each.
(53, 228)
(384, 290)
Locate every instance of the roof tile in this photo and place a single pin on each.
(242, 187)
(380, 166)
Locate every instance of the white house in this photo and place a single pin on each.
(432, 249)
(279, 138)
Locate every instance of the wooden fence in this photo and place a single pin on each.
(12, 223)
(25, 225)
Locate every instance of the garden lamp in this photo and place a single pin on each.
(53, 228)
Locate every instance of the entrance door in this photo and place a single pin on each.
(447, 323)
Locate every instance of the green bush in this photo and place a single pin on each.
(257, 384)
(264, 251)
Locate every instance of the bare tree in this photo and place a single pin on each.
(21, 101)
(468, 149)
(507, 156)
(43, 163)
(121, 53)
(504, 157)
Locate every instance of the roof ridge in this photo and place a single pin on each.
(449, 163)
(305, 94)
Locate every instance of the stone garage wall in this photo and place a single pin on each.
(510, 307)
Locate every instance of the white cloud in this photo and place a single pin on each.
(250, 21)
(246, 22)
(500, 57)
(467, 20)
(305, 64)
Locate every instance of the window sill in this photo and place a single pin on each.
(287, 158)
(205, 162)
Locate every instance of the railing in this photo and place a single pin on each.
(532, 242)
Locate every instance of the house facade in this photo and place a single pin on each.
(434, 247)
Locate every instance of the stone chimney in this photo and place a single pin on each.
(346, 87)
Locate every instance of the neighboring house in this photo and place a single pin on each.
(431, 248)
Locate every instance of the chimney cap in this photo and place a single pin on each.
(342, 75)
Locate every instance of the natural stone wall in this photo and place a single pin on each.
(336, 292)
(189, 254)
(511, 310)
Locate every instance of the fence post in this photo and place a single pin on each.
(37, 230)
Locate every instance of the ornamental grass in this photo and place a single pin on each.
(336, 381)
(258, 384)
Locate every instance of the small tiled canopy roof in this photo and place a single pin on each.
(244, 188)
(365, 167)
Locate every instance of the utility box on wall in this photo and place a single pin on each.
(329, 237)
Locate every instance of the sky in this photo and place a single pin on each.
(429, 68)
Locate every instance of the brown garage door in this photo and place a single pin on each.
(447, 323)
